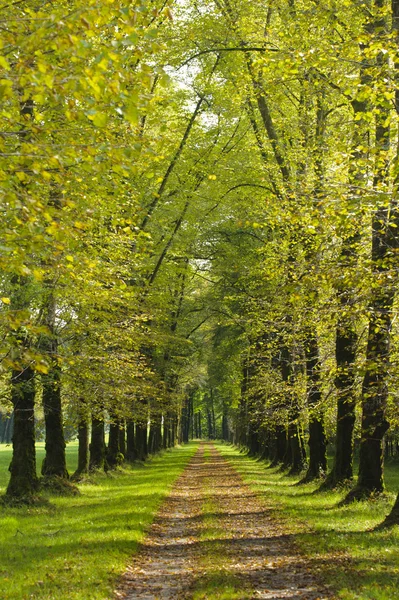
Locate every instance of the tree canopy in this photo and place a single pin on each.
(199, 228)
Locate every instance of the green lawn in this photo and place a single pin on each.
(76, 548)
(360, 565)
(5, 458)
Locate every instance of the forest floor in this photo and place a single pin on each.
(216, 538)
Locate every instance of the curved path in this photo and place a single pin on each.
(214, 538)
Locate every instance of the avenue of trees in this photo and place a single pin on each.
(200, 232)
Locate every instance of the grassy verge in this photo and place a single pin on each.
(357, 563)
(76, 548)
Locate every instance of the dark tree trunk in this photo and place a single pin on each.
(158, 442)
(122, 438)
(131, 451)
(253, 442)
(317, 438)
(97, 444)
(184, 421)
(393, 517)
(294, 458)
(23, 481)
(54, 463)
(83, 450)
(151, 438)
(213, 421)
(385, 243)
(114, 457)
(166, 432)
(191, 421)
(200, 425)
(225, 425)
(155, 435)
(141, 441)
(375, 394)
(346, 334)
(210, 429)
(297, 459)
(280, 445)
(173, 432)
(345, 351)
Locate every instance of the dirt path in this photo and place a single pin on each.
(213, 538)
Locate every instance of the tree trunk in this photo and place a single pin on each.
(131, 451)
(141, 441)
(155, 435)
(225, 425)
(54, 463)
(83, 450)
(346, 334)
(280, 445)
(166, 432)
(23, 481)
(185, 420)
(253, 442)
(122, 438)
(345, 352)
(114, 457)
(385, 243)
(97, 444)
(173, 432)
(297, 461)
(317, 438)
(210, 430)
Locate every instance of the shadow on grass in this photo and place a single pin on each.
(78, 547)
(370, 565)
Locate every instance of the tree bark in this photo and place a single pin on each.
(345, 352)
(131, 450)
(279, 445)
(122, 438)
(23, 481)
(317, 438)
(114, 457)
(83, 450)
(97, 444)
(141, 441)
(385, 243)
(54, 463)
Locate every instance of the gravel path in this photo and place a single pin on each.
(244, 545)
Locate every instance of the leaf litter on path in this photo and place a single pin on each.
(248, 544)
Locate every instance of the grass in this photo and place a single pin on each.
(5, 458)
(359, 564)
(76, 548)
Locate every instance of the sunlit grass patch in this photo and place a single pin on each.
(360, 564)
(6, 453)
(219, 585)
(76, 548)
